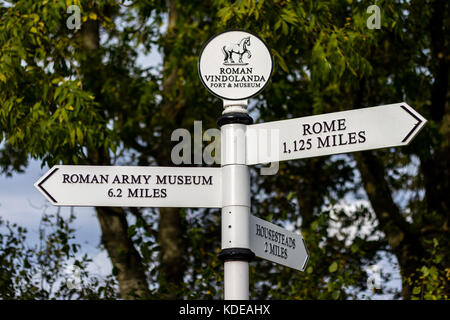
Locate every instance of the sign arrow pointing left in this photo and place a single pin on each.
(126, 186)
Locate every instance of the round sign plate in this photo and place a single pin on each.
(235, 65)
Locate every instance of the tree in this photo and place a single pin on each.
(39, 271)
(80, 97)
(331, 61)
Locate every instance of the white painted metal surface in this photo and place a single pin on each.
(232, 144)
(236, 209)
(236, 283)
(271, 242)
(123, 186)
(332, 133)
(235, 65)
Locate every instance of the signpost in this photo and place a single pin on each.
(236, 65)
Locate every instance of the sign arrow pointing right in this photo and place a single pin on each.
(271, 242)
(333, 133)
(420, 121)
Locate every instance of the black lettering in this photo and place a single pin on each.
(66, 178)
(132, 193)
(306, 128)
(207, 181)
(362, 136)
(334, 140)
(160, 180)
(329, 128)
(163, 193)
(258, 230)
(352, 138)
(317, 127)
(84, 179)
(272, 249)
(302, 144)
(135, 180)
(196, 181)
(341, 143)
(321, 143)
(146, 178)
(341, 124)
(284, 253)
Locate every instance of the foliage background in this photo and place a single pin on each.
(79, 97)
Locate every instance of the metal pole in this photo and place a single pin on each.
(236, 252)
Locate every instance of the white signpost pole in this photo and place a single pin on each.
(234, 66)
(235, 202)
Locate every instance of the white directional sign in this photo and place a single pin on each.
(235, 65)
(271, 242)
(332, 133)
(123, 186)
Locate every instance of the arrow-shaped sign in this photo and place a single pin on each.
(123, 186)
(271, 242)
(340, 132)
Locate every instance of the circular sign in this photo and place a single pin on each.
(235, 65)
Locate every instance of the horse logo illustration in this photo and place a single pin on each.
(238, 48)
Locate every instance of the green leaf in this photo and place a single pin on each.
(333, 267)
(291, 195)
(335, 295)
(79, 135)
(132, 231)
